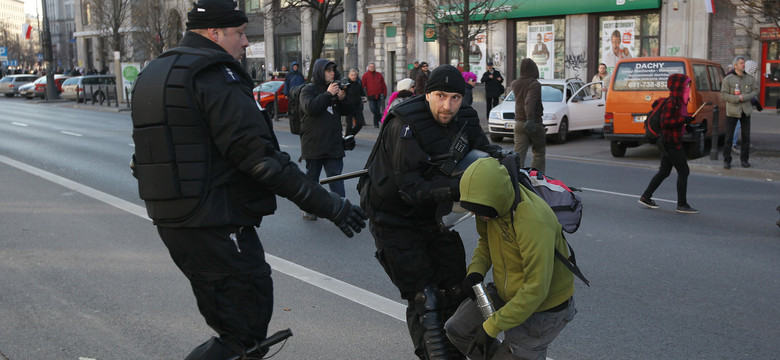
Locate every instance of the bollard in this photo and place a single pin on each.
(714, 141)
(276, 106)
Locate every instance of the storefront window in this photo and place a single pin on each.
(333, 49)
(628, 36)
(289, 49)
(251, 6)
(544, 42)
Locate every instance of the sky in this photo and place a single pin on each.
(29, 6)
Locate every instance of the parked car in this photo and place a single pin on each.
(81, 88)
(28, 90)
(40, 85)
(10, 84)
(264, 95)
(569, 105)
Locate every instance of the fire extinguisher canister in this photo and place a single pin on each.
(483, 301)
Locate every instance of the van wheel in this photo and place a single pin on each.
(99, 97)
(617, 149)
(696, 148)
(270, 110)
(563, 131)
(496, 138)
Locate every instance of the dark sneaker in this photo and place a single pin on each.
(686, 209)
(648, 202)
(726, 165)
(310, 217)
(745, 164)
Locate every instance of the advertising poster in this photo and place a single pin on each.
(477, 54)
(129, 74)
(541, 44)
(617, 41)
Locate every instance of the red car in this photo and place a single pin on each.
(40, 85)
(264, 95)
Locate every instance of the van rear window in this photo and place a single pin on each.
(645, 75)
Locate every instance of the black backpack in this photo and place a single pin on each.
(653, 130)
(294, 113)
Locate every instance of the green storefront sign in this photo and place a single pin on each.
(429, 32)
(538, 8)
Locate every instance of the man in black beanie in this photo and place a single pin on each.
(209, 168)
(411, 183)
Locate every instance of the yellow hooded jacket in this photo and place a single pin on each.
(520, 248)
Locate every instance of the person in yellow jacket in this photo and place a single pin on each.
(519, 246)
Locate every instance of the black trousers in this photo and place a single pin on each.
(414, 258)
(358, 119)
(231, 281)
(490, 103)
(731, 124)
(671, 157)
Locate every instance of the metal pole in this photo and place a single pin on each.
(51, 87)
(351, 40)
(714, 141)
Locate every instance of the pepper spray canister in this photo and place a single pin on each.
(483, 301)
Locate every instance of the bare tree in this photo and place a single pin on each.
(108, 17)
(460, 22)
(323, 12)
(151, 19)
(760, 11)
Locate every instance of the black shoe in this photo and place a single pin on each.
(648, 202)
(745, 164)
(686, 209)
(726, 165)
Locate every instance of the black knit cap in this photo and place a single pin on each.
(216, 14)
(446, 78)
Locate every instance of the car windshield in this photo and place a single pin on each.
(552, 93)
(40, 81)
(271, 86)
(71, 81)
(6, 79)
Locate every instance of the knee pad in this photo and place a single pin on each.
(430, 299)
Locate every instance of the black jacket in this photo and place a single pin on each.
(221, 140)
(528, 93)
(468, 97)
(321, 138)
(493, 87)
(353, 102)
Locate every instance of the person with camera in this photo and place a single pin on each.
(674, 117)
(376, 91)
(208, 197)
(353, 103)
(322, 145)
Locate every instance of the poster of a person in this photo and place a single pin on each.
(540, 39)
(617, 40)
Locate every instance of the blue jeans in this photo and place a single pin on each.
(332, 167)
(376, 108)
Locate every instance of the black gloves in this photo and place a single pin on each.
(346, 216)
(483, 343)
(530, 126)
(469, 281)
(349, 142)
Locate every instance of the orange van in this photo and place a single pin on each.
(637, 82)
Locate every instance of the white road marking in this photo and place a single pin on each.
(627, 195)
(366, 298)
(70, 133)
(19, 124)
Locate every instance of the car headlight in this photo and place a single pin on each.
(496, 115)
(549, 116)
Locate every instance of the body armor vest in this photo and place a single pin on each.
(172, 147)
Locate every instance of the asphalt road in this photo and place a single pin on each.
(85, 274)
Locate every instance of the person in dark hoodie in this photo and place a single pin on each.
(292, 79)
(353, 104)
(529, 130)
(208, 197)
(322, 145)
(674, 117)
(471, 81)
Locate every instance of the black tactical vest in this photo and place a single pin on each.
(172, 146)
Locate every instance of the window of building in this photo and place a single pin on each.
(333, 48)
(289, 51)
(252, 6)
(86, 16)
(628, 36)
(544, 42)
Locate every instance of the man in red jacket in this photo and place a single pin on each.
(376, 90)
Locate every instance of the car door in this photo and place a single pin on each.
(586, 110)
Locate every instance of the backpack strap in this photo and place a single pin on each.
(571, 262)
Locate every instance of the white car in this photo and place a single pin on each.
(569, 105)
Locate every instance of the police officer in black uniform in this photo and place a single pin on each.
(209, 166)
(410, 177)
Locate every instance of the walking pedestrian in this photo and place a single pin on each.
(529, 130)
(376, 91)
(494, 87)
(738, 90)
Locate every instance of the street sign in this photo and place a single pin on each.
(352, 27)
(3, 53)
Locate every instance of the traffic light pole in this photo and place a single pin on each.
(51, 87)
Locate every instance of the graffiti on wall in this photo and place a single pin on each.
(575, 63)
